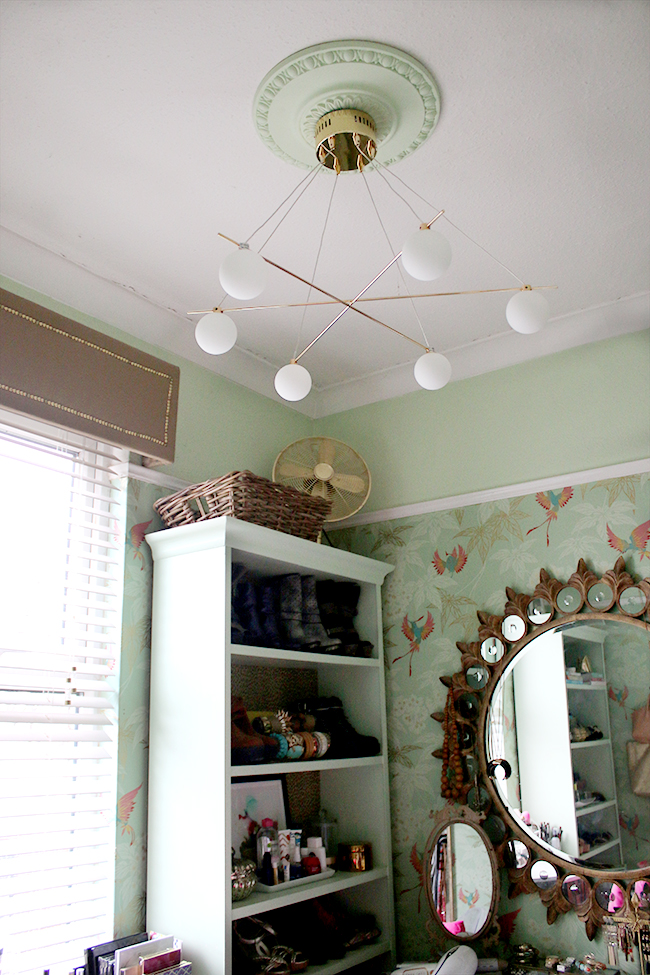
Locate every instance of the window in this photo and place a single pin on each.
(61, 588)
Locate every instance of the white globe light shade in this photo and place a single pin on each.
(426, 255)
(292, 382)
(432, 370)
(527, 312)
(215, 333)
(243, 274)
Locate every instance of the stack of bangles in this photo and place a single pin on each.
(293, 744)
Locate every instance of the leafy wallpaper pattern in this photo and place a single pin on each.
(448, 564)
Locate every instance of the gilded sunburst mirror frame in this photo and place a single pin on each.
(584, 597)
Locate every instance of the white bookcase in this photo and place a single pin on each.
(190, 774)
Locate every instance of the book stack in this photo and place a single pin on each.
(156, 955)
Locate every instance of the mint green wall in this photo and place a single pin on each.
(222, 427)
(571, 411)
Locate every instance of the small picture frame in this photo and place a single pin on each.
(255, 799)
(92, 955)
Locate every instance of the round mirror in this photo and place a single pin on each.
(559, 716)
(632, 600)
(600, 596)
(576, 890)
(539, 610)
(569, 600)
(462, 882)
(517, 854)
(477, 677)
(513, 628)
(610, 896)
(642, 891)
(543, 875)
(467, 706)
(492, 649)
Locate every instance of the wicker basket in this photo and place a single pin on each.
(248, 497)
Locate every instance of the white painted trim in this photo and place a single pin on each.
(138, 473)
(496, 494)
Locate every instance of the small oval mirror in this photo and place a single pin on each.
(462, 883)
(576, 890)
(513, 628)
(543, 874)
(492, 649)
(539, 610)
(610, 896)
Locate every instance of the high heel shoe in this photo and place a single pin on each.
(259, 939)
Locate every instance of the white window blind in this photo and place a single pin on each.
(61, 575)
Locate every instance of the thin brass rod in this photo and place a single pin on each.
(437, 217)
(343, 310)
(348, 304)
(430, 294)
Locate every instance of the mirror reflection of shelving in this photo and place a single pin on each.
(596, 802)
(565, 780)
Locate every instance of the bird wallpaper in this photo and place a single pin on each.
(448, 565)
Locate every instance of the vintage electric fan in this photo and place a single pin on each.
(325, 468)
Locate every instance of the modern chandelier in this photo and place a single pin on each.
(345, 105)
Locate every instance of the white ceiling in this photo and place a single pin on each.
(128, 144)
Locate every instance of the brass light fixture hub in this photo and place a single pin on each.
(345, 140)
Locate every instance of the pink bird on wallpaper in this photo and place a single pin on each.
(551, 501)
(468, 898)
(416, 634)
(124, 809)
(136, 538)
(618, 695)
(452, 562)
(630, 825)
(637, 542)
(416, 862)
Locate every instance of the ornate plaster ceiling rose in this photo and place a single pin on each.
(393, 88)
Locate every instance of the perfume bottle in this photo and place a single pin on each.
(267, 841)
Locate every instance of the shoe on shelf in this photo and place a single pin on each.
(245, 741)
(338, 602)
(245, 622)
(315, 632)
(291, 612)
(346, 742)
(269, 613)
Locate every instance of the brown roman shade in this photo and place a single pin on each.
(58, 370)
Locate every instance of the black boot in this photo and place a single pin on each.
(315, 632)
(269, 607)
(244, 609)
(337, 602)
(330, 717)
(291, 612)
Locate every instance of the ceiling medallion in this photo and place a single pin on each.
(393, 88)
